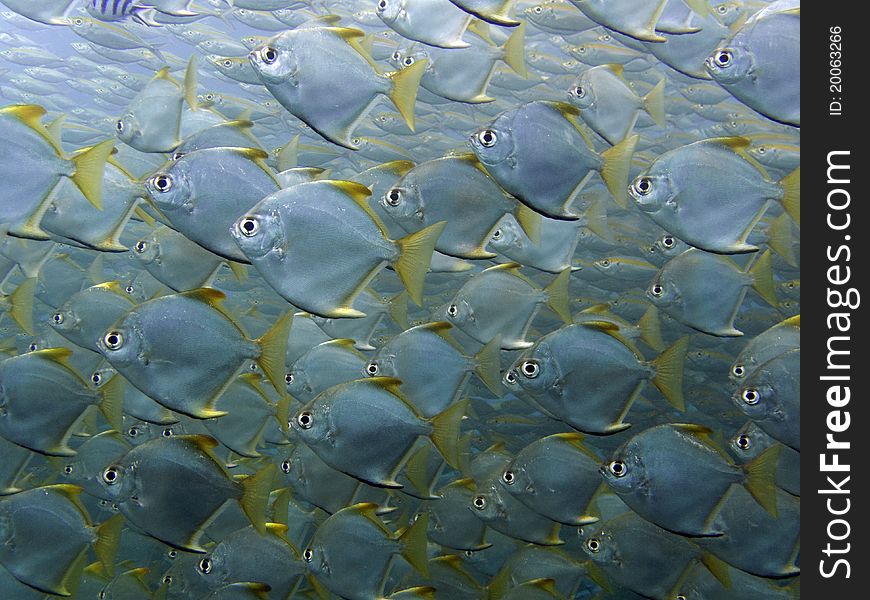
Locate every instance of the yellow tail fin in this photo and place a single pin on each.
(488, 365)
(90, 166)
(273, 348)
(414, 258)
(791, 198)
(106, 546)
(255, 496)
(413, 541)
(558, 295)
(617, 164)
(515, 51)
(404, 93)
(654, 103)
(760, 477)
(669, 373)
(112, 404)
(21, 304)
(445, 432)
(761, 272)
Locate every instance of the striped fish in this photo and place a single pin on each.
(112, 10)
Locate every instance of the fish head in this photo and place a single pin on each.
(403, 202)
(275, 62)
(80, 24)
(65, 319)
(147, 250)
(653, 191)
(757, 399)
(171, 188)
(316, 560)
(625, 472)
(515, 479)
(748, 443)
(494, 143)
(124, 344)
(730, 64)
(599, 545)
(312, 424)
(405, 57)
(259, 232)
(487, 503)
(128, 129)
(118, 482)
(663, 292)
(224, 64)
(389, 11)
(212, 567)
(508, 235)
(383, 364)
(582, 92)
(297, 381)
(460, 312)
(538, 371)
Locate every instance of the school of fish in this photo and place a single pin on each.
(400, 299)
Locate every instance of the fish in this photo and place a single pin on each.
(675, 192)
(323, 366)
(497, 12)
(145, 349)
(284, 66)
(548, 183)
(88, 313)
(450, 523)
(50, 564)
(140, 483)
(43, 398)
(332, 425)
(750, 64)
(586, 376)
(471, 309)
(642, 471)
(439, 23)
(176, 261)
(279, 236)
(678, 289)
(783, 337)
(152, 120)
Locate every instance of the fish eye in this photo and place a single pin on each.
(177, 155)
(642, 186)
(680, 597)
(452, 310)
(110, 475)
(394, 197)
(487, 138)
(508, 477)
(269, 55)
(723, 58)
(133, 431)
(129, 289)
(668, 242)
(761, 150)
(469, 553)
(511, 377)
(162, 183)
(205, 565)
(530, 368)
(593, 545)
(228, 63)
(496, 235)
(285, 466)
(120, 126)
(167, 579)
(382, 5)
(409, 60)
(579, 92)
(722, 9)
(372, 368)
(751, 396)
(307, 555)
(305, 420)
(288, 378)
(78, 21)
(538, 10)
(172, 553)
(32, 347)
(96, 378)
(479, 502)
(140, 246)
(249, 227)
(397, 56)
(57, 318)
(738, 370)
(604, 262)
(166, 432)
(744, 442)
(68, 469)
(113, 340)
(657, 290)
(617, 468)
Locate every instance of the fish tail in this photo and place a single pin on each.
(718, 568)
(404, 89)
(239, 270)
(89, 167)
(420, 592)
(791, 198)
(445, 432)
(654, 103)
(617, 163)
(288, 156)
(761, 272)
(273, 347)
(488, 365)
(21, 304)
(416, 470)
(781, 239)
(596, 220)
(558, 296)
(282, 412)
(530, 222)
(106, 546)
(415, 254)
(413, 543)
(112, 403)
(190, 83)
(399, 309)
(669, 373)
(515, 51)
(651, 329)
(760, 477)
(255, 496)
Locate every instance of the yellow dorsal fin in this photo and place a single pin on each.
(252, 153)
(616, 69)
(360, 194)
(391, 384)
(397, 167)
(58, 355)
(794, 321)
(605, 326)
(210, 296)
(206, 443)
(164, 74)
